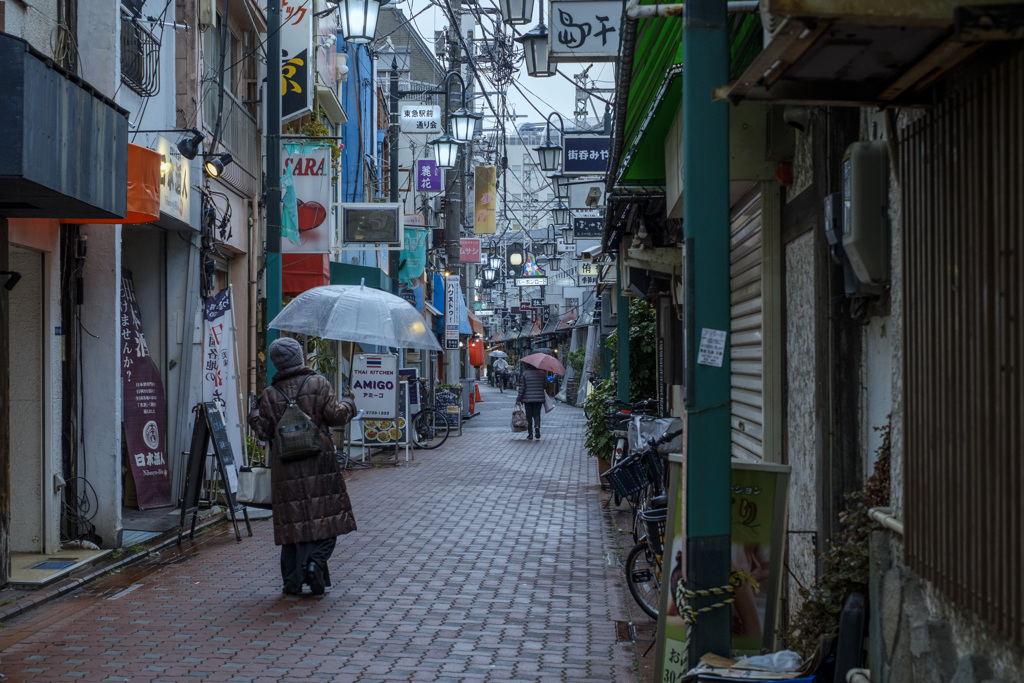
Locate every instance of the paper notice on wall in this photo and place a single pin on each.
(712, 347)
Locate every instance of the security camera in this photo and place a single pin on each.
(797, 117)
(593, 196)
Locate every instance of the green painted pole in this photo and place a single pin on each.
(273, 172)
(622, 333)
(706, 228)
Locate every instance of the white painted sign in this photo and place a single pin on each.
(420, 118)
(588, 269)
(530, 281)
(375, 384)
(175, 187)
(585, 28)
(452, 312)
(712, 347)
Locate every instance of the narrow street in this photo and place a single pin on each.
(493, 558)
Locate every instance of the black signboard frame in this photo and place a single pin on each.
(209, 425)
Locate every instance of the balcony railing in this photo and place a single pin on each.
(140, 57)
(239, 136)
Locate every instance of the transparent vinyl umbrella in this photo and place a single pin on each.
(498, 354)
(356, 313)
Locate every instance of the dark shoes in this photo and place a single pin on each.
(537, 434)
(529, 436)
(290, 589)
(315, 578)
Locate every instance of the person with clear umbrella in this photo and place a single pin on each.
(500, 373)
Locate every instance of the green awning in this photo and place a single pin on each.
(349, 274)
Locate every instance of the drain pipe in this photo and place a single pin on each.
(858, 676)
(634, 10)
(885, 517)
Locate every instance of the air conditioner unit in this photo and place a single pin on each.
(371, 226)
(208, 13)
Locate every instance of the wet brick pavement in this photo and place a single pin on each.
(492, 558)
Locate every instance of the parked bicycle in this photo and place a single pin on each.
(641, 478)
(619, 416)
(429, 426)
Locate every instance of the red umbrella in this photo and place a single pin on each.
(544, 362)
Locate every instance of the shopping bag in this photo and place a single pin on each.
(518, 419)
(549, 403)
(254, 487)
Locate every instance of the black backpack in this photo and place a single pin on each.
(296, 436)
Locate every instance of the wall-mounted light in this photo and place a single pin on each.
(215, 166)
(568, 236)
(12, 281)
(189, 147)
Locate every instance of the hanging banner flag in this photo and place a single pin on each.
(486, 200)
(296, 68)
(145, 408)
(220, 381)
(310, 167)
(452, 312)
(428, 176)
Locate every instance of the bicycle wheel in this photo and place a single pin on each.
(643, 577)
(430, 429)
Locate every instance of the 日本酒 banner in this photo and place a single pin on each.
(145, 408)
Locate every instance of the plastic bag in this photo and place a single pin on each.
(518, 419)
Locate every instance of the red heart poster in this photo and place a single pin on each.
(311, 168)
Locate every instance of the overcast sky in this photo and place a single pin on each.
(544, 94)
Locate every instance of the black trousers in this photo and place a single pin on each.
(296, 556)
(533, 411)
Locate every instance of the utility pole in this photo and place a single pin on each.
(273, 232)
(706, 235)
(393, 255)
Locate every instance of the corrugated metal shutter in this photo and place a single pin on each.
(745, 302)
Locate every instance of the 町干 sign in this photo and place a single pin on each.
(585, 29)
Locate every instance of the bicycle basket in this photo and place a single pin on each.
(655, 466)
(628, 477)
(654, 522)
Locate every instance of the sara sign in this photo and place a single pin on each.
(375, 384)
(582, 29)
(306, 198)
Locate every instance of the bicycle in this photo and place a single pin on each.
(618, 417)
(429, 426)
(640, 478)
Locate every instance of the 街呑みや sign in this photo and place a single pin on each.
(375, 384)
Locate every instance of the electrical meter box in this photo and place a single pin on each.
(865, 223)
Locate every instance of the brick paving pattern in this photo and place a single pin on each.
(489, 559)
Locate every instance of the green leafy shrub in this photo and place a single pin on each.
(575, 359)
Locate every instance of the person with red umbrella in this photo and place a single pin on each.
(532, 388)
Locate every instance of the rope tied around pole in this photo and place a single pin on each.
(684, 595)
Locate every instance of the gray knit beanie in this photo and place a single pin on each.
(285, 353)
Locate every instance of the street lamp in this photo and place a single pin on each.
(358, 19)
(490, 272)
(446, 150)
(535, 49)
(560, 214)
(555, 262)
(516, 12)
(568, 236)
(549, 152)
(495, 262)
(463, 120)
(561, 183)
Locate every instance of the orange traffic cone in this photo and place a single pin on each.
(477, 385)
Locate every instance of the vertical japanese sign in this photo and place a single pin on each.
(585, 29)
(220, 380)
(145, 409)
(486, 200)
(428, 176)
(452, 312)
(296, 66)
(305, 202)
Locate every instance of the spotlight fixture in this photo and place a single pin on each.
(215, 166)
(12, 281)
(189, 147)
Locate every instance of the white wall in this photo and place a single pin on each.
(100, 459)
(803, 440)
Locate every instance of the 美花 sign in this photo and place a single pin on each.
(420, 118)
(582, 29)
(585, 154)
(428, 175)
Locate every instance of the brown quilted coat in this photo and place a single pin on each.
(309, 498)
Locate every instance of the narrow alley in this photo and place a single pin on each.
(493, 558)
